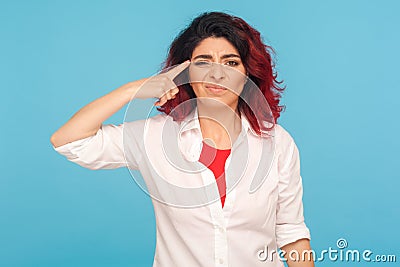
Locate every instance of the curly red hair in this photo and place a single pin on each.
(255, 55)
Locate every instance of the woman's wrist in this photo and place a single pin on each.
(129, 90)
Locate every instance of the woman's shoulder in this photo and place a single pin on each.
(281, 131)
(283, 138)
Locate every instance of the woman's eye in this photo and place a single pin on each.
(232, 63)
(202, 63)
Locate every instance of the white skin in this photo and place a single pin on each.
(217, 88)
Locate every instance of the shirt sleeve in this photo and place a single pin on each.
(290, 225)
(104, 150)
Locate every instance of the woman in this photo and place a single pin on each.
(224, 177)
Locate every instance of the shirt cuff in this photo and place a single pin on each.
(70, 150)
(289, 233)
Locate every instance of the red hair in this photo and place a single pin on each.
(255, 55)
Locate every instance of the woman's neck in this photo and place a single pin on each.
(220, 125)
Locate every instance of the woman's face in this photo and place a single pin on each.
(216, 71)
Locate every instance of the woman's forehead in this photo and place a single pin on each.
(215, 46)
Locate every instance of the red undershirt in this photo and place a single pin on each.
(215, 160)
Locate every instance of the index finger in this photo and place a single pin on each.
(178, 69)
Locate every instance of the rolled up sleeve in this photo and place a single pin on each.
(290, 225)
(104, 150)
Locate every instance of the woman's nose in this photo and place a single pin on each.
(217, 71)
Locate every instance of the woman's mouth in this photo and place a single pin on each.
(215, 89)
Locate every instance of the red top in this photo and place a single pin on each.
(215, 160)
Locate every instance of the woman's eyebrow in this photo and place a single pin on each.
(206, 56)
(230, 55)
(203, 56)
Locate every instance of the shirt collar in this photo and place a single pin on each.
(191, 122)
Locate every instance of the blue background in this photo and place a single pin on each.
(339, 61)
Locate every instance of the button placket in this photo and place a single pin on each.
(220, 235)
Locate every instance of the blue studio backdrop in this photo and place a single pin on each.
(339, 60)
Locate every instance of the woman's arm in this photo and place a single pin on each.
(298, 254)
(291, 231)
(88, 120)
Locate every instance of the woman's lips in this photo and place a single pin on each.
(215, 89)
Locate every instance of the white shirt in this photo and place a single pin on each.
(263, 207)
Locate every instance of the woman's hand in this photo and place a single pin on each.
(160, 86)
